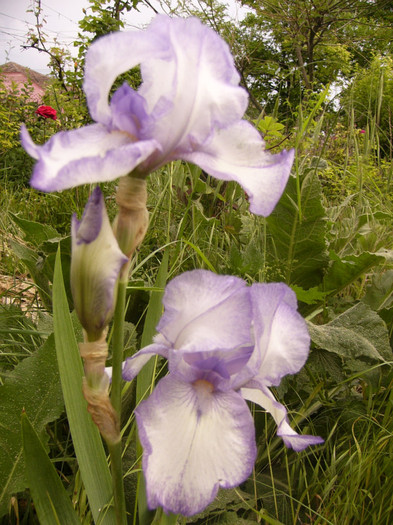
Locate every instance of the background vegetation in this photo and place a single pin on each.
(320, 78)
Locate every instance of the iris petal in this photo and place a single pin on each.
(205, 311)
(85, 155)
(237, 153)
(264, 398)
(281, 335)
(195, 441)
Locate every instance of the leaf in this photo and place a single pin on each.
(358, 332)
(85, 436)
(379, 294)
(311, 296)
(34, 232)
(32, 386)
(348, 269)
(50, 498)
(299, 245)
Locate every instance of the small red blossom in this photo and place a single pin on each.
(362, 131)
(47, 112)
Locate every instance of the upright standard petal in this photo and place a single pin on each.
(95, 265)
(282, 342)
(195, 440)
(237, 153)
(205, 311)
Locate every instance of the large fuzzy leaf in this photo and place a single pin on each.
(33, 386)
(297, 240)
(357, 333)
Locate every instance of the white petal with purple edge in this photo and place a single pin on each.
(133, 365)
(194, 441)
(282, 341)
(264, 398)
(205, 311)
(112, 55)
(201, 82)
(237, 153)
(85, 155)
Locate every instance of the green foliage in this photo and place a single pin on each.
(32, 387)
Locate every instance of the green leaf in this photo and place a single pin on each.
(49, 495)
(32, 386)
(379, 294)
(85, 436)
(348, 269)
(358, 332)
(34, 232)
(311, 296)
(299, 245)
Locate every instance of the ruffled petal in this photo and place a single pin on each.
(194, 441)
(282, 341)
(205, 311)
(237, 153)
(264, 398)
(85, 155)
(112, 55)
(200, 82)
(134, 364)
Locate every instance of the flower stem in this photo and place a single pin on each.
(118, 343)
(117, 483)
(115, 449)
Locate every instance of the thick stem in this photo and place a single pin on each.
(117, 481)
(115, 449)
(118, 343)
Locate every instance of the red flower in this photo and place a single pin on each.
(47, 112)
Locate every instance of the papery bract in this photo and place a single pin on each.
(189, 106)
(95, 266)
(225, 342)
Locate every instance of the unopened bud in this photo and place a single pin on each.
(95, 266)
(131, 223)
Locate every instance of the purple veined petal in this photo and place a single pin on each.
(205, 311)
(200, 81)
(264, 398)
(237, 153)
(112, 55)
(85, 155)
(134, 364)
(282, 342)
(195, 440)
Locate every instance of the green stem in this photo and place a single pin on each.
(117, 482)
(118, 343)
(115, 449)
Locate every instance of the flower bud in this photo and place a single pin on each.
(95, 266)
(131, 223)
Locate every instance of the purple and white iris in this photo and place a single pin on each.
(226, 343)
(95, 266)
(189, 106)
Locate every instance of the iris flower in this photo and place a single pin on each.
(226, 343)
(95, 266)
(189, 106)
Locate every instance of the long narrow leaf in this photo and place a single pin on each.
(50, 498)
(85, 436)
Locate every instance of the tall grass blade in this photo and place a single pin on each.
(86, 438)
